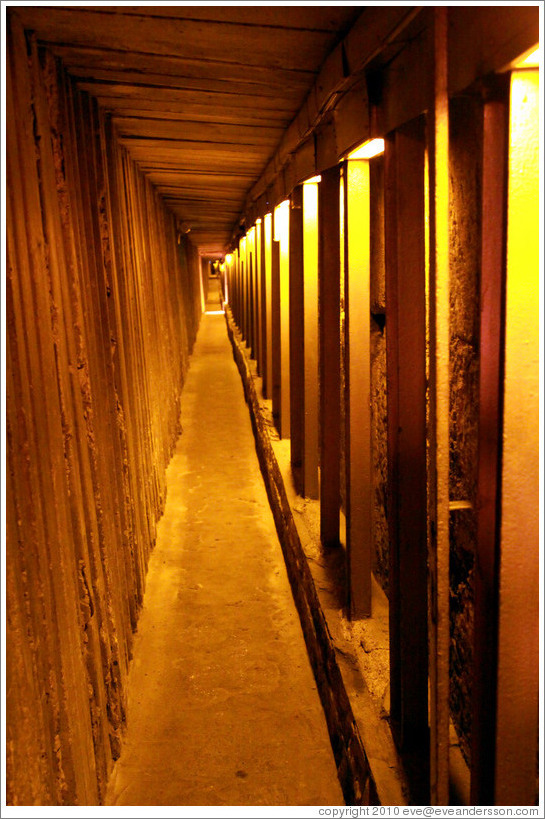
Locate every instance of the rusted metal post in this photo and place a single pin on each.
(259, 302)
(267, 270)
(297, 357)
(439, 334)
(519, 575)
(310, 317)
(282, 216)
(275, 333)
(492, 310)
(407, 496)
(357, 396)
(329, 329)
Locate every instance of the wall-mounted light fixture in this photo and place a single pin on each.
(282, 220)
(369, 149)
(229, 258)
(531, 60)
(313, 180)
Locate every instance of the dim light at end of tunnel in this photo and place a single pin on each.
(368, 150)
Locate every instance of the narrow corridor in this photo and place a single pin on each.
(362, 184)
(221, 698)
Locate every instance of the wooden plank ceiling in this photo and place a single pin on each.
(200, 95)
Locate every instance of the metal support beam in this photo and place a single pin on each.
(407, 496)
(297, 356)
(518, 621)
(357, 398)
(492, 309)
(329, 329)
(275, 333)
(267, 270)
(310, 345)
(439, 410)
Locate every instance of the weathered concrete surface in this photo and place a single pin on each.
(223, 707)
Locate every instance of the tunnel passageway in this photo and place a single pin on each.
(222, 704)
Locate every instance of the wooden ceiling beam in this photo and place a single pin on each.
(219, 84)
(274, 47)
(326, 18)
(179, 66)
(224, 133)
(185, 97)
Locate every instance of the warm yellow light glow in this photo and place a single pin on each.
(369, 149)
(229, 258)
(282, 221)
(258, 221)
(215, 313)
(242, 245)
(531, 60)
(313, 180)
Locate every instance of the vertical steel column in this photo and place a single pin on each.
(267, 296)
(439, 390)
(237, 280)
(517, 705)
(407, 496)
(251, 297)
(492, 306)
(259, 303)
(245, 291)
(282, 223)
(255, 297)
(310, 344)
(252, 281)
(233, 298)
(275, 333)
(329, 271)
(297, 356)
(357, 398)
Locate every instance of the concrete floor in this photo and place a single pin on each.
(222, 704)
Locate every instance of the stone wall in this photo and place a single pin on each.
(102, 308)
